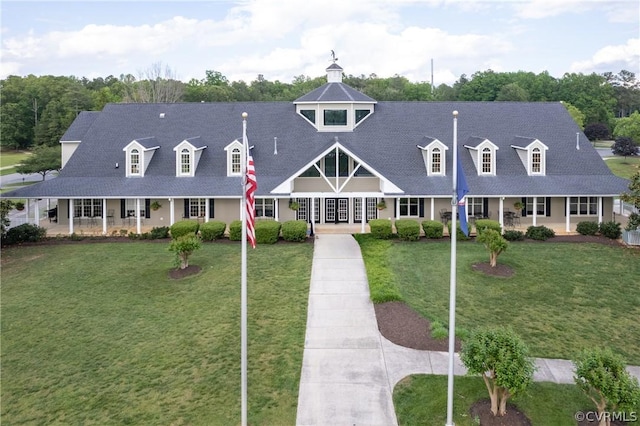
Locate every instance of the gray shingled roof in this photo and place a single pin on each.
(334, 92)
(386, 141)
(80, 125)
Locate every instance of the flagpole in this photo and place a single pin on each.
(452, 284)
(243, 279)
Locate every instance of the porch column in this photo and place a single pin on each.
(397, 201)
(567, 214)
(104, 216)
(599, 209)
(535, 211)
(26, 212)
(276, 208)
(70, 216)
(501, 213)
(433, 209)
(363, 214)
(138, 216)
(312, 212)
(206, 210)
(172, 214)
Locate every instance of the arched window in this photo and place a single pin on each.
(436, 161)
(486, 161)
(185, 162)
(235, 160)
(135, 162)
(536, 161)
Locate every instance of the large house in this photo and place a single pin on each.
(335, 154)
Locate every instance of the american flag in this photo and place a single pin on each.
(250, 187)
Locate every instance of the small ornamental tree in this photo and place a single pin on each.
(502, 358)
(602, 375)
(633, 197)
(5, 208)
(624, 146)
(183, 247)
(494, 242)
(44, 160)
(597, 131)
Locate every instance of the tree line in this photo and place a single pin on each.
(37, 110)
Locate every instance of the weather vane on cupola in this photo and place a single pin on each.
(333, 56)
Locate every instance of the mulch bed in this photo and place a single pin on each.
(481, 410)
(403, 326)
(499, 270)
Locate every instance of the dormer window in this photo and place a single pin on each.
(134, 161)
(487, 161)
(235, 161)
(309, 114)
(185, 162)
(483, 154)
(335, 117)
(138, 155)
(234, 158)
(188, 153)
(532, 154)
(434, 157)
(536, 160)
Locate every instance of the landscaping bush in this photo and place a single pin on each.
(408, 229)
(159, 232)
(184, 227)
(235, 230)
(212, 230)
(25, 233)
(482, 224)
(587, 228)
(294, 230)
(460, 234)
(183, 247)
(541, 233)
(381, 228)
(432, 229)
(513, 235)
(267, 231)
(611, 230)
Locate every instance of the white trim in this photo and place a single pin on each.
(230, 148)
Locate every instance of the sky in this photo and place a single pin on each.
(282, 39)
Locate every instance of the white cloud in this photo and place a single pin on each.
(612, 58)
(9, 68)
(615, 11)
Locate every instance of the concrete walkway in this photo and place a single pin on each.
(349, 369)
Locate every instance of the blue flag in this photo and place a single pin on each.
(462, 190)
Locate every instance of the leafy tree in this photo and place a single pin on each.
(602, 375)
(5, 207)
(44, 160)
(183, 247)
(512, 92)
(590, 94)
(494, 242)
(575, 113)
(597, 132)
(626, 89)
(633, 197)
(624, 146)
(502, 358)
(628, 127)
(155, 84)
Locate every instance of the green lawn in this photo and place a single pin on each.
(98, 334)
(422, 400)
(624, 167)
(562, 298)
(9, 158)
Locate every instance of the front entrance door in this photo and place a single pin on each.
(336, 210)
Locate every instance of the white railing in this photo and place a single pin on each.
(631, 237)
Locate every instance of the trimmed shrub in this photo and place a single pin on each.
(587, 228)
(611, 230)
(540, 233)
(433, 228)
(294, 230)
(408, 229)
(25, 233)
(482, 224)
(381, 228)
(212, 230)
(183, 247)
(267, 231)
(184, 227)
(235, 230)
(159, 232)
(513, 235)
(460, 235)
